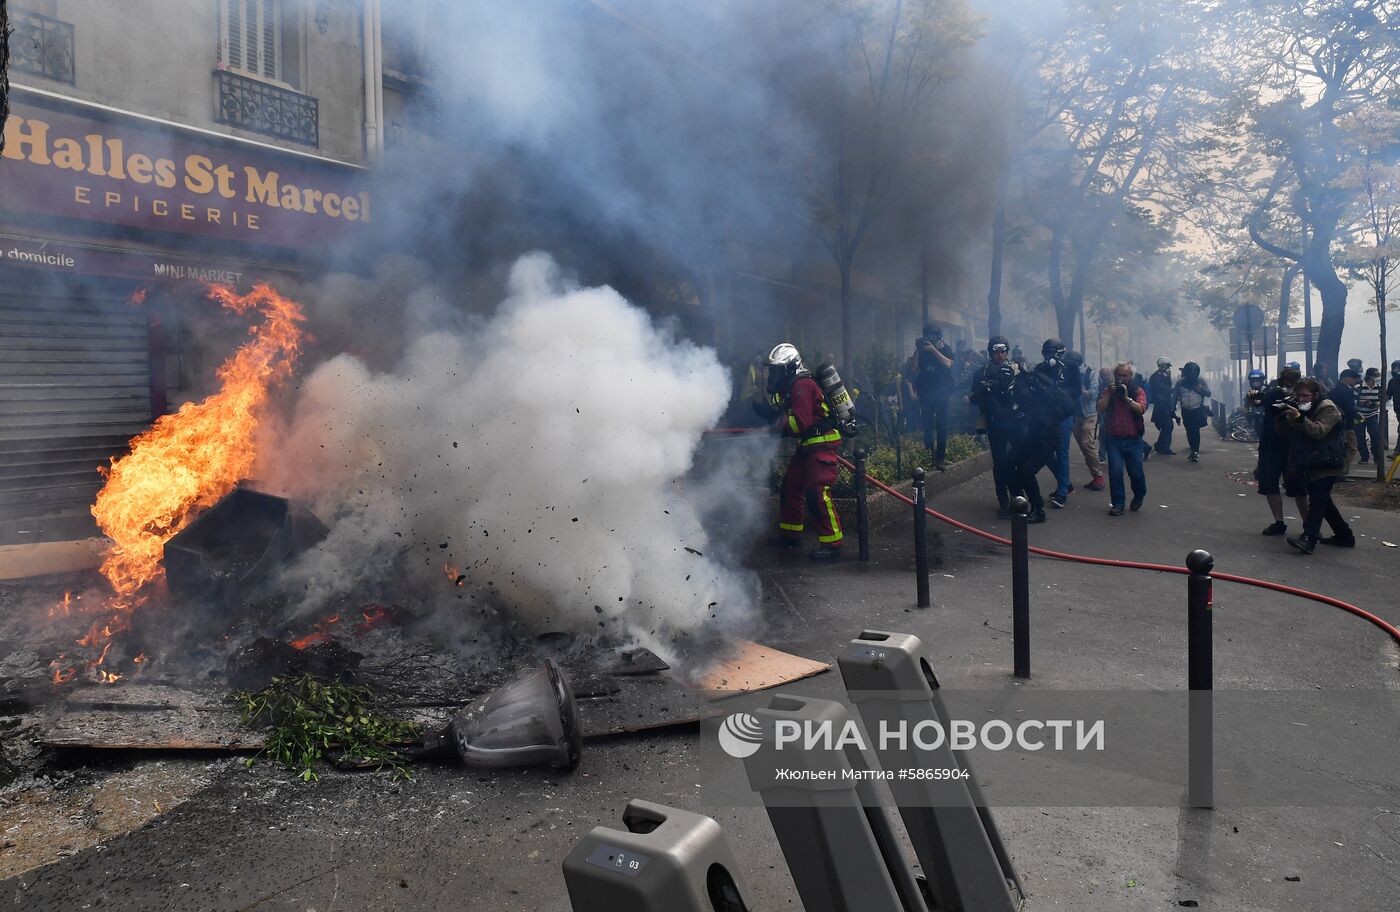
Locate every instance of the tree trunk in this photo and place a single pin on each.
(1285, 309)
(1333, 291)
(998, 249)
(1064, 322)
(923, 289)
(1385, 378)
(846, 315)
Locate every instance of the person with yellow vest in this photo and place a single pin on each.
(802, 412)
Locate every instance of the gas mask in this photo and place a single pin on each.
(779, 377)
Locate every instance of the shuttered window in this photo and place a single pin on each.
(250, 37)
(74, 388)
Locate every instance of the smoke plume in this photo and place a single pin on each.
(536, 457)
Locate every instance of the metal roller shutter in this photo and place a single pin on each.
(74, 389)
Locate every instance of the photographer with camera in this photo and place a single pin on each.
(1063, 376)
(1122, 406)
(1160, 387)
(1190, 395)
(991, 394)
(1273, 449)
(928, 380)
(1319, 452)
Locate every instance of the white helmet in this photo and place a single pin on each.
(784, 364)
(785, 354)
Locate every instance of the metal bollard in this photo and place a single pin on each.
(920, 539)
(862, 517)
(1020, 588)
(1200, 787)
(666, 860)
(967, 867)
(838, 839)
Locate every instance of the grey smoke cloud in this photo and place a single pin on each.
(543, 448)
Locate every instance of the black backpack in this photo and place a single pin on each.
(1051, 397)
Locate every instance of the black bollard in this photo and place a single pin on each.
(920, 539)
(1200, 787)
(1020, 588)
(862, 518)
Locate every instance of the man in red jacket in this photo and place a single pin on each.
(801, 411)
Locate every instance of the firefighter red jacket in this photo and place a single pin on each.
(805, 416)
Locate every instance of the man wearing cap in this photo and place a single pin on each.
(1159, 396)
(928, 380)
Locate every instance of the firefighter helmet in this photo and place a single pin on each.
(784, 363)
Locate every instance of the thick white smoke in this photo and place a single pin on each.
(540, 454)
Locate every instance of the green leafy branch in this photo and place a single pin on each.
(309, 719)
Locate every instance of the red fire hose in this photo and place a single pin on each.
(1389, 628)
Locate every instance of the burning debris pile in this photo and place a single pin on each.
(182, 465)
(508, 493)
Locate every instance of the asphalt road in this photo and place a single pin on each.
(258, 839)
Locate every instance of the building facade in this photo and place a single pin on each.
(153, 147)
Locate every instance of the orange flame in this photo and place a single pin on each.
(188, 460)
(374, 616)
(458, 579)
(321, 634)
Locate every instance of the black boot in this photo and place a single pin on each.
(1305, 543)
(826, 553)
(1345, 539)
(1037, 516)
(784, 541)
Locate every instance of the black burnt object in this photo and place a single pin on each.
(532, 721)
(253, 666)
(233, 546)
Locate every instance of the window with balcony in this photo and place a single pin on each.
(41, 44)
(250, 37)
(258, 71)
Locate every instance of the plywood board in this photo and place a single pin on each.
(748, 666)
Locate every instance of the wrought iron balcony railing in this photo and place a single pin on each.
(268, 109)
(41, 45)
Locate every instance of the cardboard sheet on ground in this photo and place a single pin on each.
(751, 666)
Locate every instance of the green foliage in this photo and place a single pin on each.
(881, 464)
(309, 719)
(880, 368)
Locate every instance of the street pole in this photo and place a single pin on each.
(1020, 588)
(920, 540)
(862, 517)
(1200, 788)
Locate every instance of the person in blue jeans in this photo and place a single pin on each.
(1121, 407)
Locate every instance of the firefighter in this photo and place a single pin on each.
(802, 412)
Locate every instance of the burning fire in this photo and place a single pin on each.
(321, 634)
(372, 616)
(186, 461)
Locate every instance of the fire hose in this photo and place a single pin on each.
(1384, 625)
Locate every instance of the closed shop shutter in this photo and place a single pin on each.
(75, 386)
